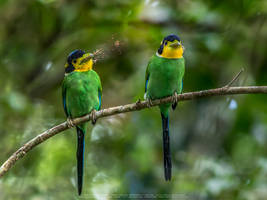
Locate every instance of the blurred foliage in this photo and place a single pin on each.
(218, 144)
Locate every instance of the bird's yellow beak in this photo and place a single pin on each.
(86, 57)
(175, 44)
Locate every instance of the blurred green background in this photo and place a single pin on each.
(218, 144)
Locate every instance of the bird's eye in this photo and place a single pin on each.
(74, 61)
(165, 43)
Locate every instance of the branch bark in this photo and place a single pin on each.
(139, 105)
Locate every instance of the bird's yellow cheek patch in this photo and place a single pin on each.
(84, 66)
(169, 52)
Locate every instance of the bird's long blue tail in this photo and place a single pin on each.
(166, 148)
(80, 155)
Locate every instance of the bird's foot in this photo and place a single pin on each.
(149, 102)
(70, 123)
(174, 100)
(93, 116)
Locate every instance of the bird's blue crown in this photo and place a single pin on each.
(75, 54)
(169, 38)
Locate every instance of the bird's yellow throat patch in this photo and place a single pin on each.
(83, 67)
(170, 52)
(171, 49)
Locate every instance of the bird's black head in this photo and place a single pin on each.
(73, 56)
(79, 61)
(170, 38)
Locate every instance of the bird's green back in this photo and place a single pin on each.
(81, 93)
(164, 76)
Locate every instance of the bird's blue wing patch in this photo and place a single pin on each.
(64, 101)
(146, 83)
(64, 104)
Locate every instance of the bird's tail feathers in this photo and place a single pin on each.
(80, 157)
(166, 148)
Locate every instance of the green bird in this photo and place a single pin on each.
(164, 77)
(81, 92)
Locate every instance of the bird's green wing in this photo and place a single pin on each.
(100, 97)
(181, 87)
(99, 92)
(147, 76)
(64, 91)
(180, 90)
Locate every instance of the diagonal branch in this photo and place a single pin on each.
(235, 78)
(139, 105)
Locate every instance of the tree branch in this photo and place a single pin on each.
(235, 78)
(139, 105)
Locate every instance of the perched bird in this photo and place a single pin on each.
(81, 92)
(164, 77)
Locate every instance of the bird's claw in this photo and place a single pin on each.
(70, 123)
(149, 102)
(93, 116)
(175, 98)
